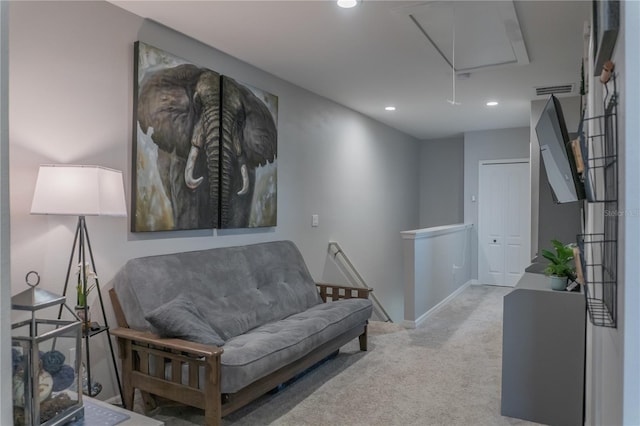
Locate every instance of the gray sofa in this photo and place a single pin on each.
(217, 328)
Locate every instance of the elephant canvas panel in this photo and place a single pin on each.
(248, 154)
(176, 146)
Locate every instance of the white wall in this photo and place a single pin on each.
(71, 68)
(441, 182)
(6, 411)
(613, 354)
(630, 229)
(487, 145)
(437, 268)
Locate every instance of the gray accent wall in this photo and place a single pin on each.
(441, 182)
(487, 145)
(71, 87)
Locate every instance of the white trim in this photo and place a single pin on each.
(474, 281)
(417, 234)
(114, 400)
(422, 318)
(504, 161)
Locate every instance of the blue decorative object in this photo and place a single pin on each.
(63, 378)
(32, 383)
(52, 361)
(16, 360)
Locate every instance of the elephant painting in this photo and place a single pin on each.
(248, 151)
(197, 167)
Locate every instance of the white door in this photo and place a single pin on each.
(503, 222)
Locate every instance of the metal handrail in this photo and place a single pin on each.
(335, 250)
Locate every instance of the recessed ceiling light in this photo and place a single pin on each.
(390, 108)
(347, 4)
(492, 103)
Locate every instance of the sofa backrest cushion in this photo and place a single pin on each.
(234, 288)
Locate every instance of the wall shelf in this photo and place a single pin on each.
(599, 249)
(598, 260)
(599, 155)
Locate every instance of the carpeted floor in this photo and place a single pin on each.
(447, 372)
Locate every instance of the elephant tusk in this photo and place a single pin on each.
(245, 180)
(188, 170)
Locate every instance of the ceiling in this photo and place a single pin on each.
(378, 53)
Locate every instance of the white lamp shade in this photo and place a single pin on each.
(79, 191)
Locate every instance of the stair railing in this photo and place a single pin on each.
(355, 278)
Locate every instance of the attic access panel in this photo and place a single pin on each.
(487, 34)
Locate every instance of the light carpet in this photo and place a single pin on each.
(447, 372)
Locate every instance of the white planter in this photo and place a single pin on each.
(558, 283)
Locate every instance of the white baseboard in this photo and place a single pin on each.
(114, 400)
(474, 281)
(422, 318)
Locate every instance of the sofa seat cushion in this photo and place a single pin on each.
(267, 348)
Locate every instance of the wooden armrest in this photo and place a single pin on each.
(176, 344)
(336, 292)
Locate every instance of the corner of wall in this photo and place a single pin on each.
(6, 409)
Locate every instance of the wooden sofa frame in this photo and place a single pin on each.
(144, 356)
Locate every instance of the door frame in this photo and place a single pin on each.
(479, 233)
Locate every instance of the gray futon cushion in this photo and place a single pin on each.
(235, 288)
(181, 318)
(261, 351)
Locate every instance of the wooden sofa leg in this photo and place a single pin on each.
(212, 395)
(127, 366)
(363, 339)
(128, 392)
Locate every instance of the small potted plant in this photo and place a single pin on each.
(561, 265)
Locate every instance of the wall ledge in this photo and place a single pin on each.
(417, 234)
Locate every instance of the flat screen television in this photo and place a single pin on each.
(557, 155)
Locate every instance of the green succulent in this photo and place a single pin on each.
(561, 262)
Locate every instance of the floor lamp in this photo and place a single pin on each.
(82, 191)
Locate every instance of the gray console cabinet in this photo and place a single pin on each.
(543, 353)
